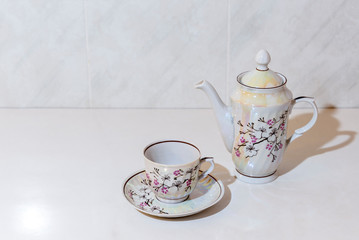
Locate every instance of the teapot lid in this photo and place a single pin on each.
(262, 76)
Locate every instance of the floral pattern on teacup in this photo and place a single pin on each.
(143, 198)
(178, 179)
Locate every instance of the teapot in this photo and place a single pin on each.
(254, 126)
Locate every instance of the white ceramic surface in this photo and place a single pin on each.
(61, 176)
(136, 190)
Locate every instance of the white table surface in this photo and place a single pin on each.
(61, 173)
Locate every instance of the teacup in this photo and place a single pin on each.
(172, 169)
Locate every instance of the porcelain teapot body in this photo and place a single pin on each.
(254, 126)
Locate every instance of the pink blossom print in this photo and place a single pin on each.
(263, 134)
(189, 182)
(143, 198)
(164, 190)
(270, 122)
(155, 182)
(143, 204)
(175, 179)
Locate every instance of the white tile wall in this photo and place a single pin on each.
(43, 54)
(314, 43)
(149, 54)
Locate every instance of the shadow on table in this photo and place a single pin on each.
(313, 142)
(220, 173)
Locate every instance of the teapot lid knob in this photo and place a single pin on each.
(262, 59)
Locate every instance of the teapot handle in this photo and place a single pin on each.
(299, 132)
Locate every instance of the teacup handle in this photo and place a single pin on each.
(299, 132)
(209, 170)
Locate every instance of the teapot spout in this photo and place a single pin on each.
(222, 112)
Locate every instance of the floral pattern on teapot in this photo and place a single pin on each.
(267, 132)
(254, 126)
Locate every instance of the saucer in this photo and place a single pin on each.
(138, 193)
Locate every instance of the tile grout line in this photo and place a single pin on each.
(228, 51)
(87, 55)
